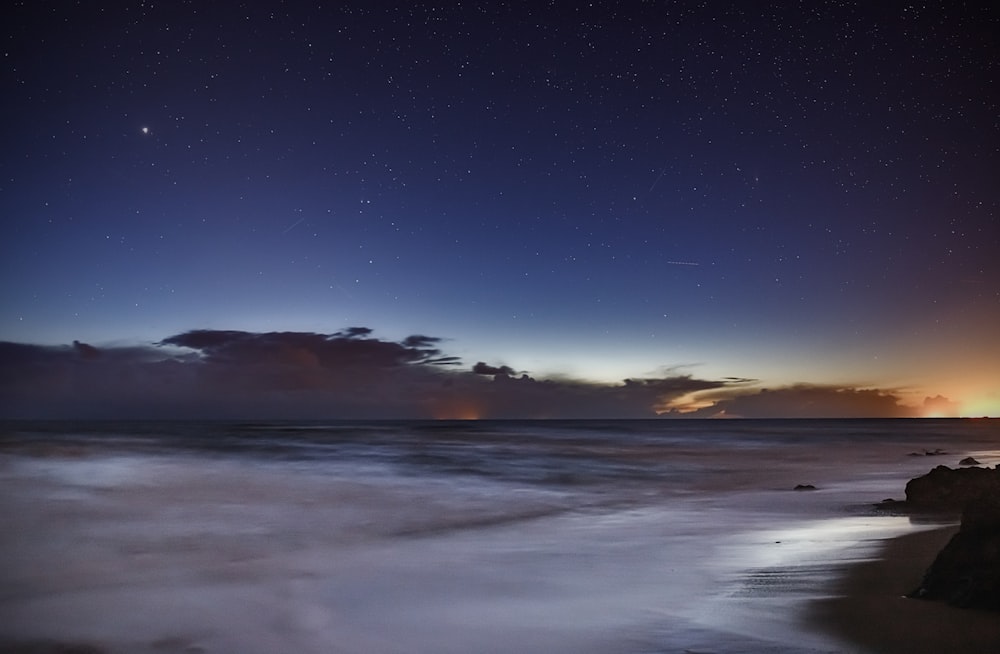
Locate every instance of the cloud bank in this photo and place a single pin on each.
(809, 401)
(353, 374)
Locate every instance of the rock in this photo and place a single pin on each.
(966, 573)
(968, 461)
(804, 487)
(945, 489)
(935, 452)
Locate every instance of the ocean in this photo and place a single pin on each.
(608, 537)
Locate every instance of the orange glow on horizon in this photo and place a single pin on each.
(456, 411)
(957, 402)
(982, 406)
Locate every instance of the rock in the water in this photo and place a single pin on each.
(968, 461)
(935, 452)
(947, 489)
(804, 487)
(966, 572)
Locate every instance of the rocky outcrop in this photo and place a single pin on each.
(966, 572)
(946, 489)
(969, 461)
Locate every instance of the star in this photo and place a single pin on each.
(145, 130)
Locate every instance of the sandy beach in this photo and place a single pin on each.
(872, 612)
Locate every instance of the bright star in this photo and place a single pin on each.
(145, 130)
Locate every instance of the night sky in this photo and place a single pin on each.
(539, 209)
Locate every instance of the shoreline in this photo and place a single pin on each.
(871, 613)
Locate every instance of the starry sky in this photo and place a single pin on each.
(500, 209)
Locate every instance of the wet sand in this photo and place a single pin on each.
(872, 614)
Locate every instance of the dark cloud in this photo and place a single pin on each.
(81, 380)
(209, 373)
(86, 351)
(349, 348)
(356, 332)
(352, 374)
(419, 340)
(485, 369)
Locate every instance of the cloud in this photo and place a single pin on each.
(510, 396)
(353, 374)
(86, 351)
(349, 348)
(208, 373)
(81, 380)
(808, 401)
(506, 396)
(348, 373)
(485, 369)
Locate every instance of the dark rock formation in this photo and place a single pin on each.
(804, 487)
(968, 461)
(966, 572)
(934, 452)
(945, 489)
